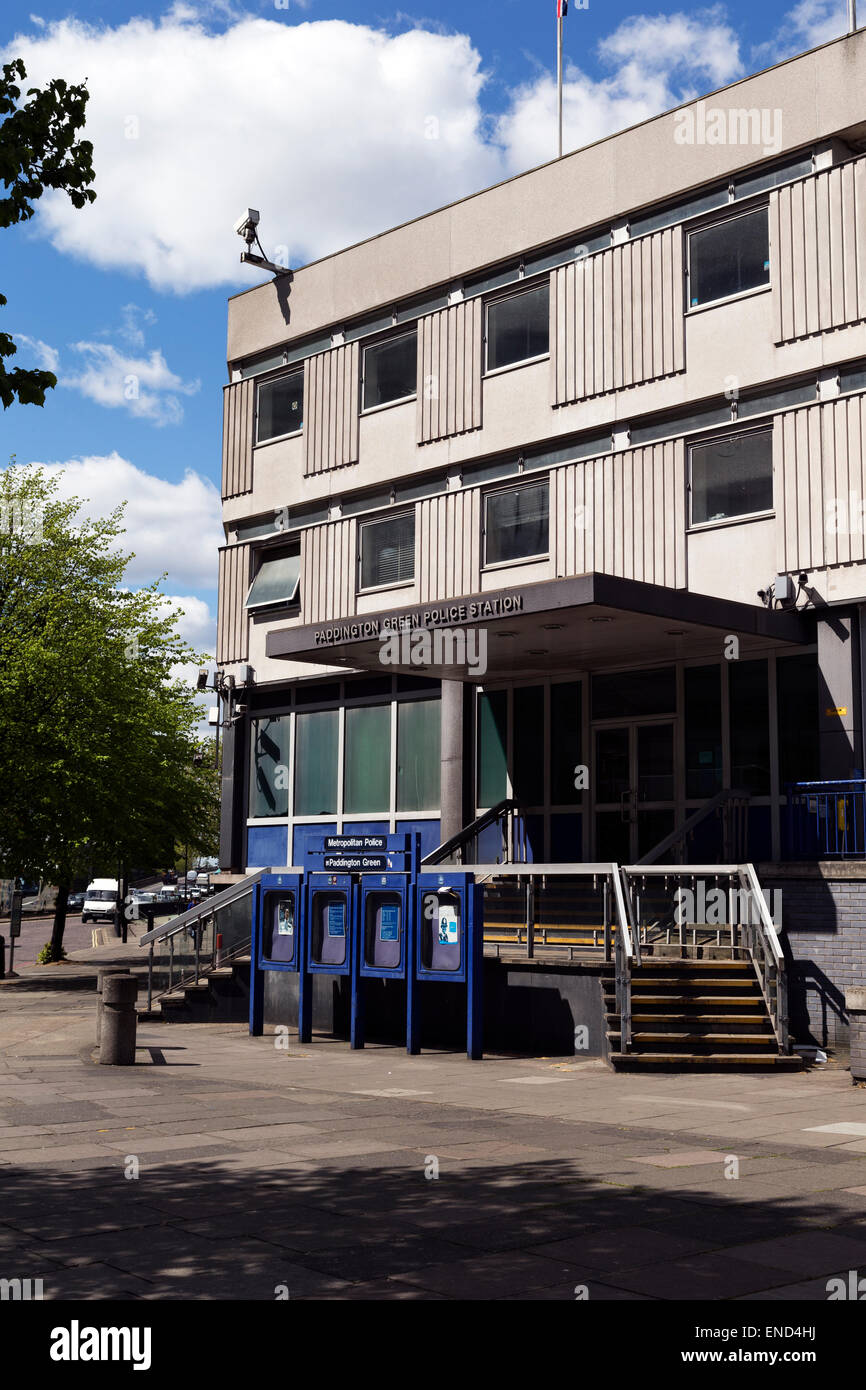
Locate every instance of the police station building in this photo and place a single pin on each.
(555, 496)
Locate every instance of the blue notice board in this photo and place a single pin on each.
(336, 919)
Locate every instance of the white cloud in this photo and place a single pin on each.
(173, 528)
(809, 24)
(333, 130)
(656, 63)
(47, 357)
(145, 386)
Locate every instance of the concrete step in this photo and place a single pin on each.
(636, 1061)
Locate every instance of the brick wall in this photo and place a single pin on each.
(824, 937)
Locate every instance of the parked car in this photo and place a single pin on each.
(75, 902)
(170, 876)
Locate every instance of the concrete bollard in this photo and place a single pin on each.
(855, 1007)
(101, 975)
(117, 1041)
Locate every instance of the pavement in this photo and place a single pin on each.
(226, 1167)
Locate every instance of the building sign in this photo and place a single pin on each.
(356, 863)
(420, 619)
(356, 842)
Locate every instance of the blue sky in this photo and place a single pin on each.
(335, 120)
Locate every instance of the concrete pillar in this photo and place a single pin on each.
(839, 728)
(451, 754)
(117, 1043)
(101, 975)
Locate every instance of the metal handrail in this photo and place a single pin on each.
(205, 908)
(761, 940)
(471, 830)
(768, 957)
(721, 799)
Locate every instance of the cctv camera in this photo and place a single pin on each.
(201, 683)
(247, 223)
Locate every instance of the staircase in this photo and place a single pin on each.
(220, 996)
(695, 1013)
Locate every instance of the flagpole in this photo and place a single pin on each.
(559, 80)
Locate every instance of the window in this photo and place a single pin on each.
(565, 741)
(277, 580)
(528, 718)
(390, 370)
(280, 407)
(388, 551)
(418, 755)
(797, 697)
(269, 767)
(750, 726)
(518, 327)
(492, 763)
(630, 694)
(703, 698)
(516, 523)
(729, 258)
(367, 774)
(316, 738)
(731, 476)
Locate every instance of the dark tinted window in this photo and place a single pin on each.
(732, 476)
(518, 327)
(516, 523)
(390, 370)
(729, 257)
(625, 693)
(703, 697)
(797, 703)
(750, 726)
(281, 406)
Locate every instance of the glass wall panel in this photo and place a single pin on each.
(703, 698)
(750, 726)
(528, 776)
(565, 741)
(492, 744)
(797, 703)
(316, 735)
(269, 766)
(367, 761)
(418, 755)
(623, 694)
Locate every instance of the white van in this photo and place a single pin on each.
(100, 900)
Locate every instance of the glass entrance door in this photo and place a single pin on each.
(633, 789)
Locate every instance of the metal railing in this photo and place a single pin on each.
(208, 935)
(826, 820)
(731, 806)
(514, 845)
(727, 909)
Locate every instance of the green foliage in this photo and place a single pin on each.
(51, 954)
(39, 150)
(97, 736)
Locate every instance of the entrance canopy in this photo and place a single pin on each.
(596, 621)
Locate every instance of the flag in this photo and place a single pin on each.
(561, 9)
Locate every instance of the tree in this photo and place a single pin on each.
(97, 735)
(39, 150)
